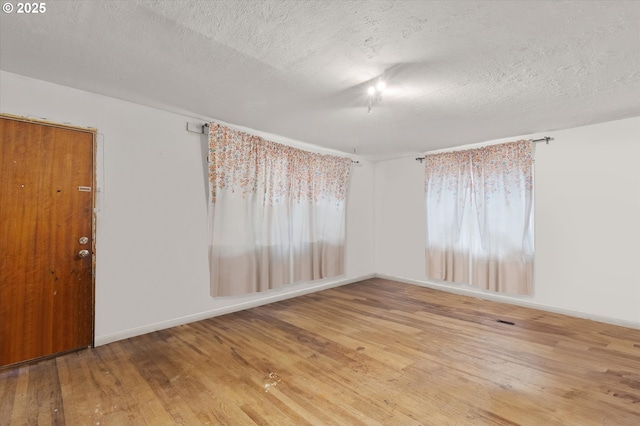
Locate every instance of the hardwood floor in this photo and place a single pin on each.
(374, 352)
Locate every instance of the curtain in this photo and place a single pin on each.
(276, 213)
(479, 211)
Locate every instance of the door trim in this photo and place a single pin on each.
(94, 219)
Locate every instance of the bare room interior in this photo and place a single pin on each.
(134, 303)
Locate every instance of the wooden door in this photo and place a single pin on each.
(46, 207)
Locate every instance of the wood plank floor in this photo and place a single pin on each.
(374, 352)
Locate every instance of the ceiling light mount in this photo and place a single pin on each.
(375, 93)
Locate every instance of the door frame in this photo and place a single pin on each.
(94, 148)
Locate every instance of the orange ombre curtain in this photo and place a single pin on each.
(276, 213)
(479, 213)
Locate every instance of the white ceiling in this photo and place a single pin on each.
(458, 71)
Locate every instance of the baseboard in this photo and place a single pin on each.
(511, 300)
(132, 332)
(149, 328)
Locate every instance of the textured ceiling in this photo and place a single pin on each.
(458, 72)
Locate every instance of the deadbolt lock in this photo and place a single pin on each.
(83, 253)
(83, 240)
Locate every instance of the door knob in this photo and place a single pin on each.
(83, 253)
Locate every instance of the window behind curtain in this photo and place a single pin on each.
(479, 212)
(277, 213)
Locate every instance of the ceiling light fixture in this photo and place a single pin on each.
(375, 93)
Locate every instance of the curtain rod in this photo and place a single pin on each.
(204, 129)
(546, 139)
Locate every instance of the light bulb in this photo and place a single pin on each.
(381, 86)
(371, 90)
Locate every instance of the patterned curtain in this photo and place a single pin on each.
(479, 207)
(277, 213)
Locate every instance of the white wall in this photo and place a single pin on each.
(587, 219)
(152, 266)
(152, 269)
